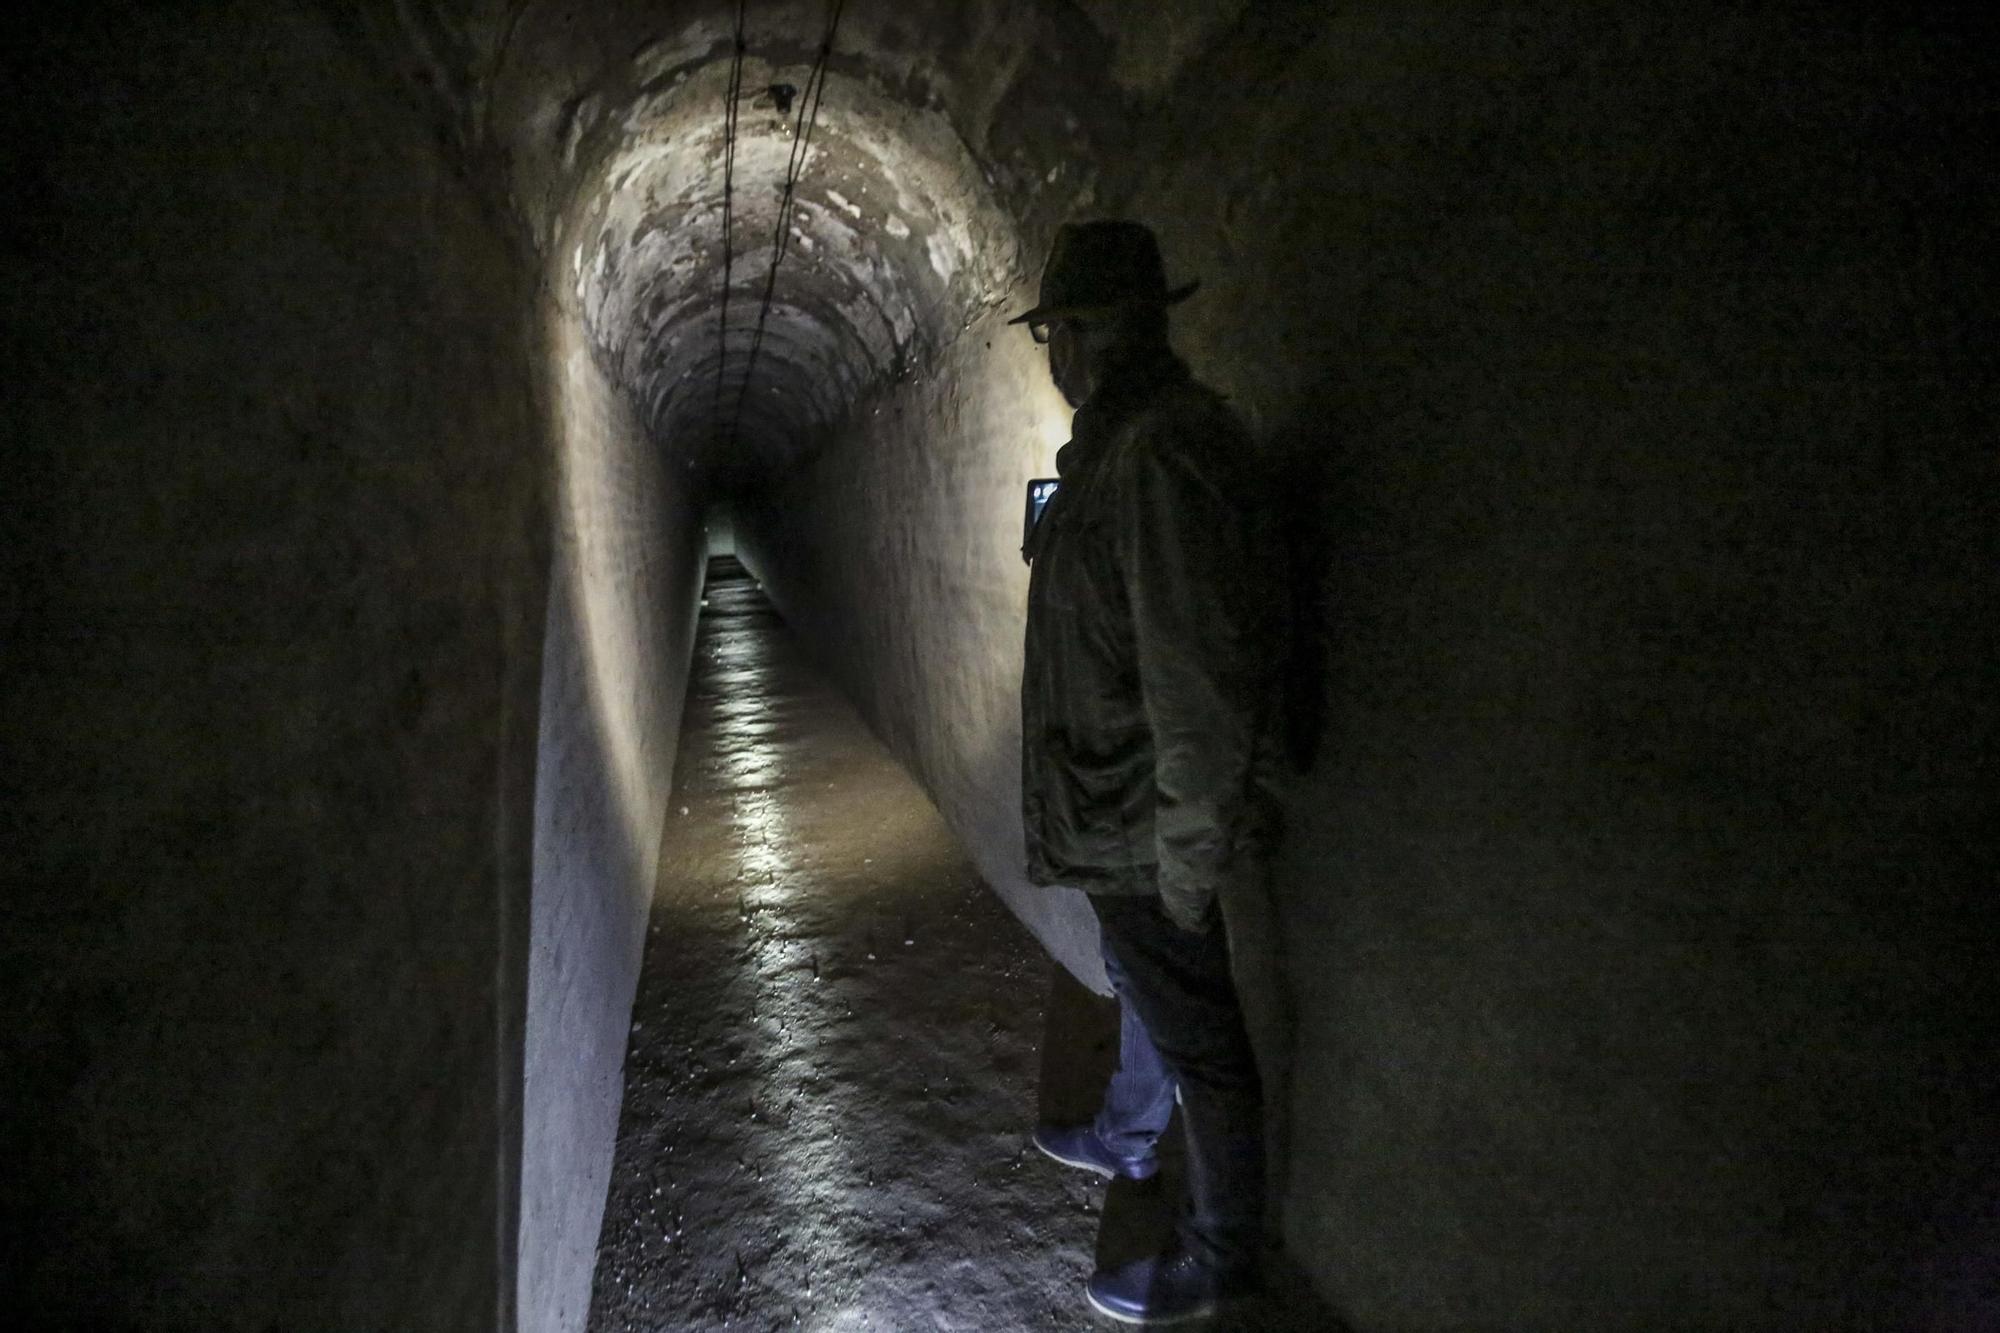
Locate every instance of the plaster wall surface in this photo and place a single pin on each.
(1641, 867)
(625, 590)
(1630, 373)
(273, 604)
(896, 557)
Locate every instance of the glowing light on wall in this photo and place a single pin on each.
(610, 499)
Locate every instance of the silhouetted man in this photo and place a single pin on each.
(1144, 717)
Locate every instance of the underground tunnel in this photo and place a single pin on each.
(383, 378)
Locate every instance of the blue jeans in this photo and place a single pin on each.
(1140, 1098)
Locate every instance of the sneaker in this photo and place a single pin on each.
(1078, 1145)
(1165, 1289)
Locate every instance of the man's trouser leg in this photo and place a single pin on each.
(1140, 1097)
(1180, 984)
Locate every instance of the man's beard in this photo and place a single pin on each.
(1072, 381)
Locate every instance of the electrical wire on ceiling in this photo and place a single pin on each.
(730, 103)
(802, 130)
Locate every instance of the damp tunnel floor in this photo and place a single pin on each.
(840, 1043)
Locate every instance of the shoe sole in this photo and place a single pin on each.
(1207, 1311)
(1083, 1164)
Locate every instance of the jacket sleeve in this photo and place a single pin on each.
(1190, 578)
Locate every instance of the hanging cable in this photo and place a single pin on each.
(730, 103)
(802, 130)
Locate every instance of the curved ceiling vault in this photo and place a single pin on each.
(952, 134)
(895, 241)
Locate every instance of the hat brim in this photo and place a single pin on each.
(1048, 312)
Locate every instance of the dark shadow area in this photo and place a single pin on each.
(1079, 1048)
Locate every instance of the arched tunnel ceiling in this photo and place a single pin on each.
(895, 242)
(954, 134)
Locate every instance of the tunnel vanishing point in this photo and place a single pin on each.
(370, 397)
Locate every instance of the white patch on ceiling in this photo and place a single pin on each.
(949, 249)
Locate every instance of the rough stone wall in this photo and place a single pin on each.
(1635, 899)
(273, 609)
(1639, 874)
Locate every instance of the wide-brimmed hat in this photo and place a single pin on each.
(1096, 268)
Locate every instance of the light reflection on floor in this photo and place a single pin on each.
(832, 1069)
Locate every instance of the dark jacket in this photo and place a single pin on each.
(1146, 695)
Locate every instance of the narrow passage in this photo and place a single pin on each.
(833, 1066)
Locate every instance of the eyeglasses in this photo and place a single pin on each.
(1040, 330)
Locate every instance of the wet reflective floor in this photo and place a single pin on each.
(838, 1048)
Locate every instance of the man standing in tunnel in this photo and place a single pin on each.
(1145, 721)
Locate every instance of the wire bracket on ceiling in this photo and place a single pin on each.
(802, 131)
(730, 103)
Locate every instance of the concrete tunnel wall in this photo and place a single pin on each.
(624, 594)
(273, 608)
